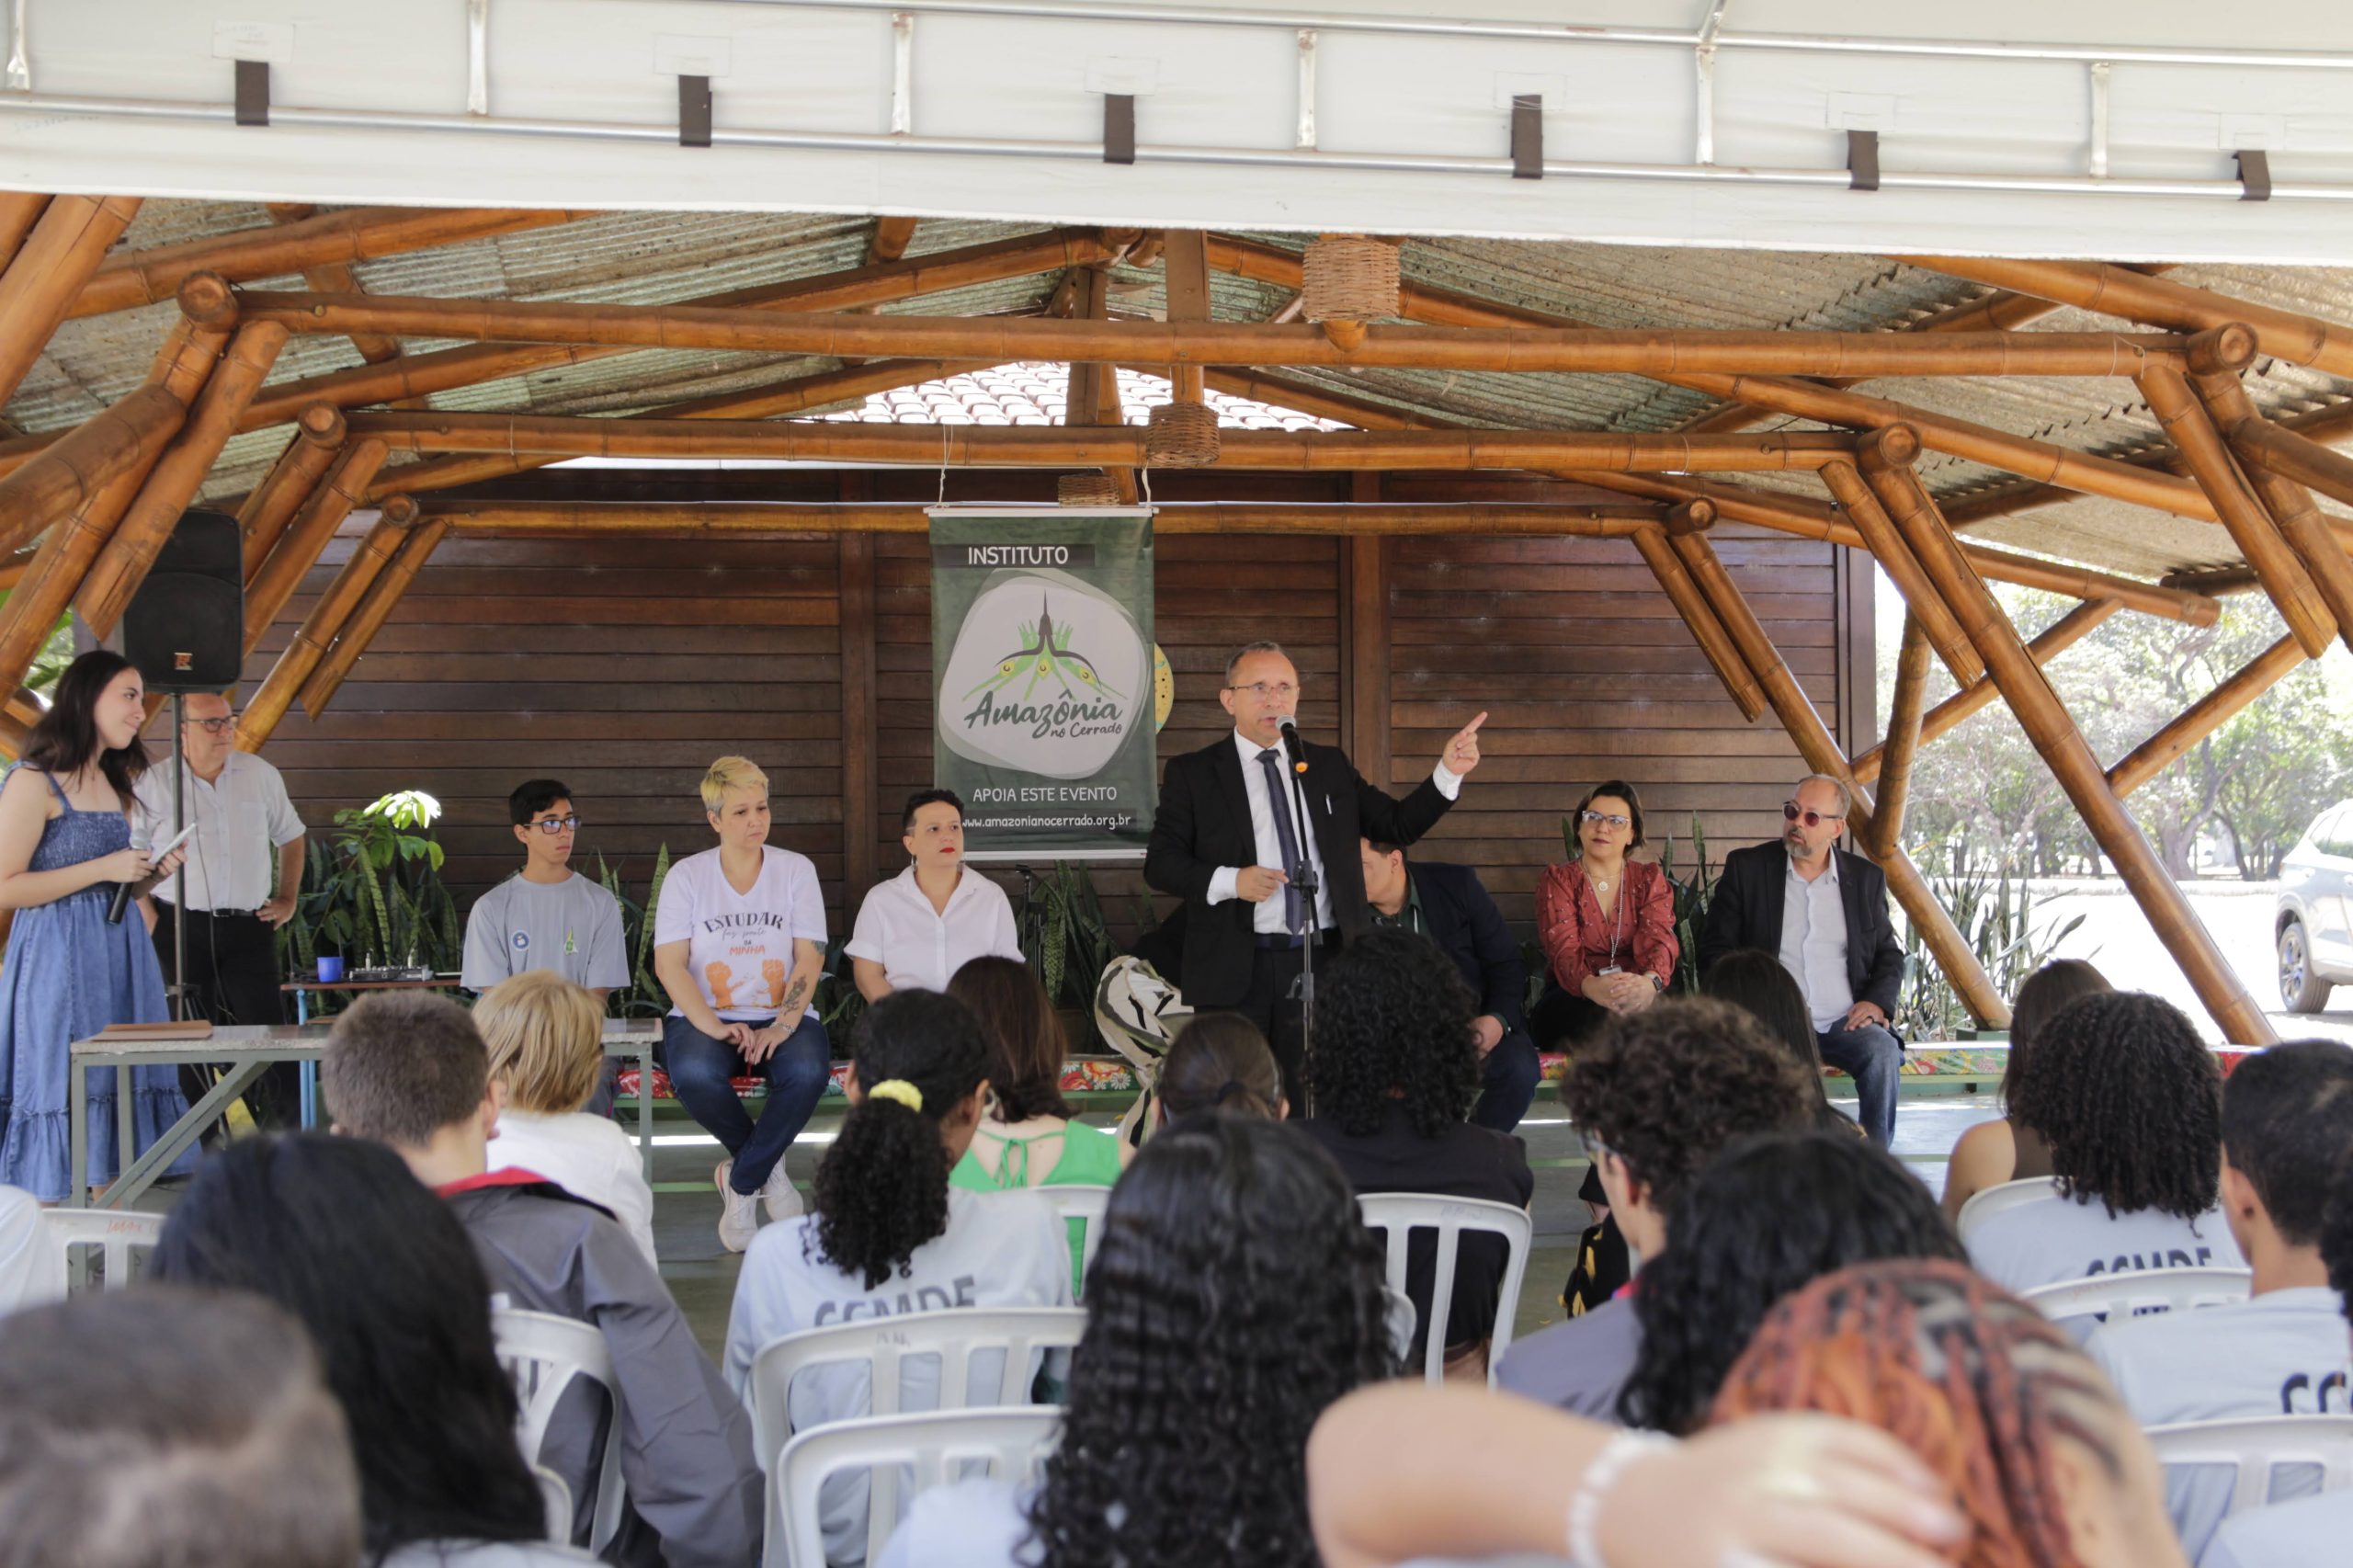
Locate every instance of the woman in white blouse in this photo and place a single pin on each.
(546, 1037)
(916, 930)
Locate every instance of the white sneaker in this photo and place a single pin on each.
(739, 1214)
(781, 1199)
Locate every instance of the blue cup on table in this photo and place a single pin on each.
(329, 969)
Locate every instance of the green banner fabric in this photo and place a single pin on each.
(1043, 678)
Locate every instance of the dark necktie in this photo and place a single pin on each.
(1285, 837)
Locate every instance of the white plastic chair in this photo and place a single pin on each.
(1402, 1213)
(555, 1496)
(955, 1336)
(1984, 1204)
(542, 1354)
(2136, 1291)
(112, 1234)
(1084, 1204)
(2256, 1450)
(937, 1448)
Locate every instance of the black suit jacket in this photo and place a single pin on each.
(1746, 913)
(1204, 824)
(1468, 927)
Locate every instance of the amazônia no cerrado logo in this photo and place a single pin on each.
(1042, 676)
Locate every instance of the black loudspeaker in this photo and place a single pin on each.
(186, 626)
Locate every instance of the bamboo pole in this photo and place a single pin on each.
(590, 520)
(64, 247)
(1820, 751)
(1519, 348)
(319, 434)
(889, 239)
(317, 632)
(1696, 515)
(1014, 447)
(2050, 728)
(415, 375)
(122, 567)
(20, 210)
(802, 394)
(2205, 716)
(1945, 716)
(375, 605)
(336, 278)
(1798, 515)
(1903, 742)
(1707, 628)
(2284, 577)
(2294, 456)
(2118, 291)
(2222, 582)
(124, 439)
(2038, 461)
(307, 535)
(356, 233)
(1895, 558)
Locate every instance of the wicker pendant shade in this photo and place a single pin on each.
(1348, 278)
(1086, 490)
(1181, 435)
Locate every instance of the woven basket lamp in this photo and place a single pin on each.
(1181, 435)
(1348, 278)
(1086, 490)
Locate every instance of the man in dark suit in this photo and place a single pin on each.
(1446, 905)
(1224, 840)
(1823, 913)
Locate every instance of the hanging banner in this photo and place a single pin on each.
(1043, 686)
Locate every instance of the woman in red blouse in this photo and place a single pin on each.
(1606, 922)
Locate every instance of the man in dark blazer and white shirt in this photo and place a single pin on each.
(1219, 839)
(1823, 913)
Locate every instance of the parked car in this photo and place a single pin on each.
(2310, 923)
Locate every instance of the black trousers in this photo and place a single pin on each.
(1272, 1003)
(232, 978)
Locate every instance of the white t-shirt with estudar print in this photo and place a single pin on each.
(739, 945)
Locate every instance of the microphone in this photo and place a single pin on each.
(122, 902)
(1295, 749)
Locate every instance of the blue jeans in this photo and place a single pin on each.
(1874, 1058)
(1511, 1072)
(700, 1068)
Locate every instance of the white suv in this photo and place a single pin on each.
(2313, 922)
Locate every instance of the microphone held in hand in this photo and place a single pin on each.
(122, 902)
(1293, 747)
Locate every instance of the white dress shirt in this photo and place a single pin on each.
(1814, 944)
(1267, 918)
(238, 817)
(919, 948)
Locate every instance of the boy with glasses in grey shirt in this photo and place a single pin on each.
(546, 915)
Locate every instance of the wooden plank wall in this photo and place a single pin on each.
(625, 665)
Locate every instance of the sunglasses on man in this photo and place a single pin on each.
(1792, 812)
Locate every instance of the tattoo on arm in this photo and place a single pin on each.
(792, 995)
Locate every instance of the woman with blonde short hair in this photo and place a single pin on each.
(546, 1041)
(739, 943)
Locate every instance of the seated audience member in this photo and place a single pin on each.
(409, 1071)
(2287, 1131)
(1027, 1136)
(1235, 1297)
(338, 1234)
(546, 1041)
(1657, 1095)
(1606, 922)
(739, 944)
(170, 1427)
(1392, 1069)
(30, 1272)
(1409, 1473)
(1768, 1216)
(2007, 1149)
(2049, 1470)
(1221, 1062)
(2131, 1104)
(1755, 980)
(1446, 905)
(2310, 1533)
(916, 930)
(888, 1235)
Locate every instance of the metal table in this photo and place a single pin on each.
(248, 1050)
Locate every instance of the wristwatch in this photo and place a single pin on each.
(1657, 983)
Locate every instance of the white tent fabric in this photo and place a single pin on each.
(2100, 127)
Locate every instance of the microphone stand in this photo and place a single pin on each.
(1303, 877)
(178, 990)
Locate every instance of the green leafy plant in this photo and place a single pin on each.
(1994, 908)
(643, 996)
(1064, 937)
(373, 891)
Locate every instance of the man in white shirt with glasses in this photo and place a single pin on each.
(234, 904)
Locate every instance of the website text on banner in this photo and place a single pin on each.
(1047, 686)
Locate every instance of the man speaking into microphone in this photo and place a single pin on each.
(1225, 841)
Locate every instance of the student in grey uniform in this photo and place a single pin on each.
(2131, 1102)
(1657, 1094)
(2287, 1129)
(2312, 1533)
(408, 1069)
